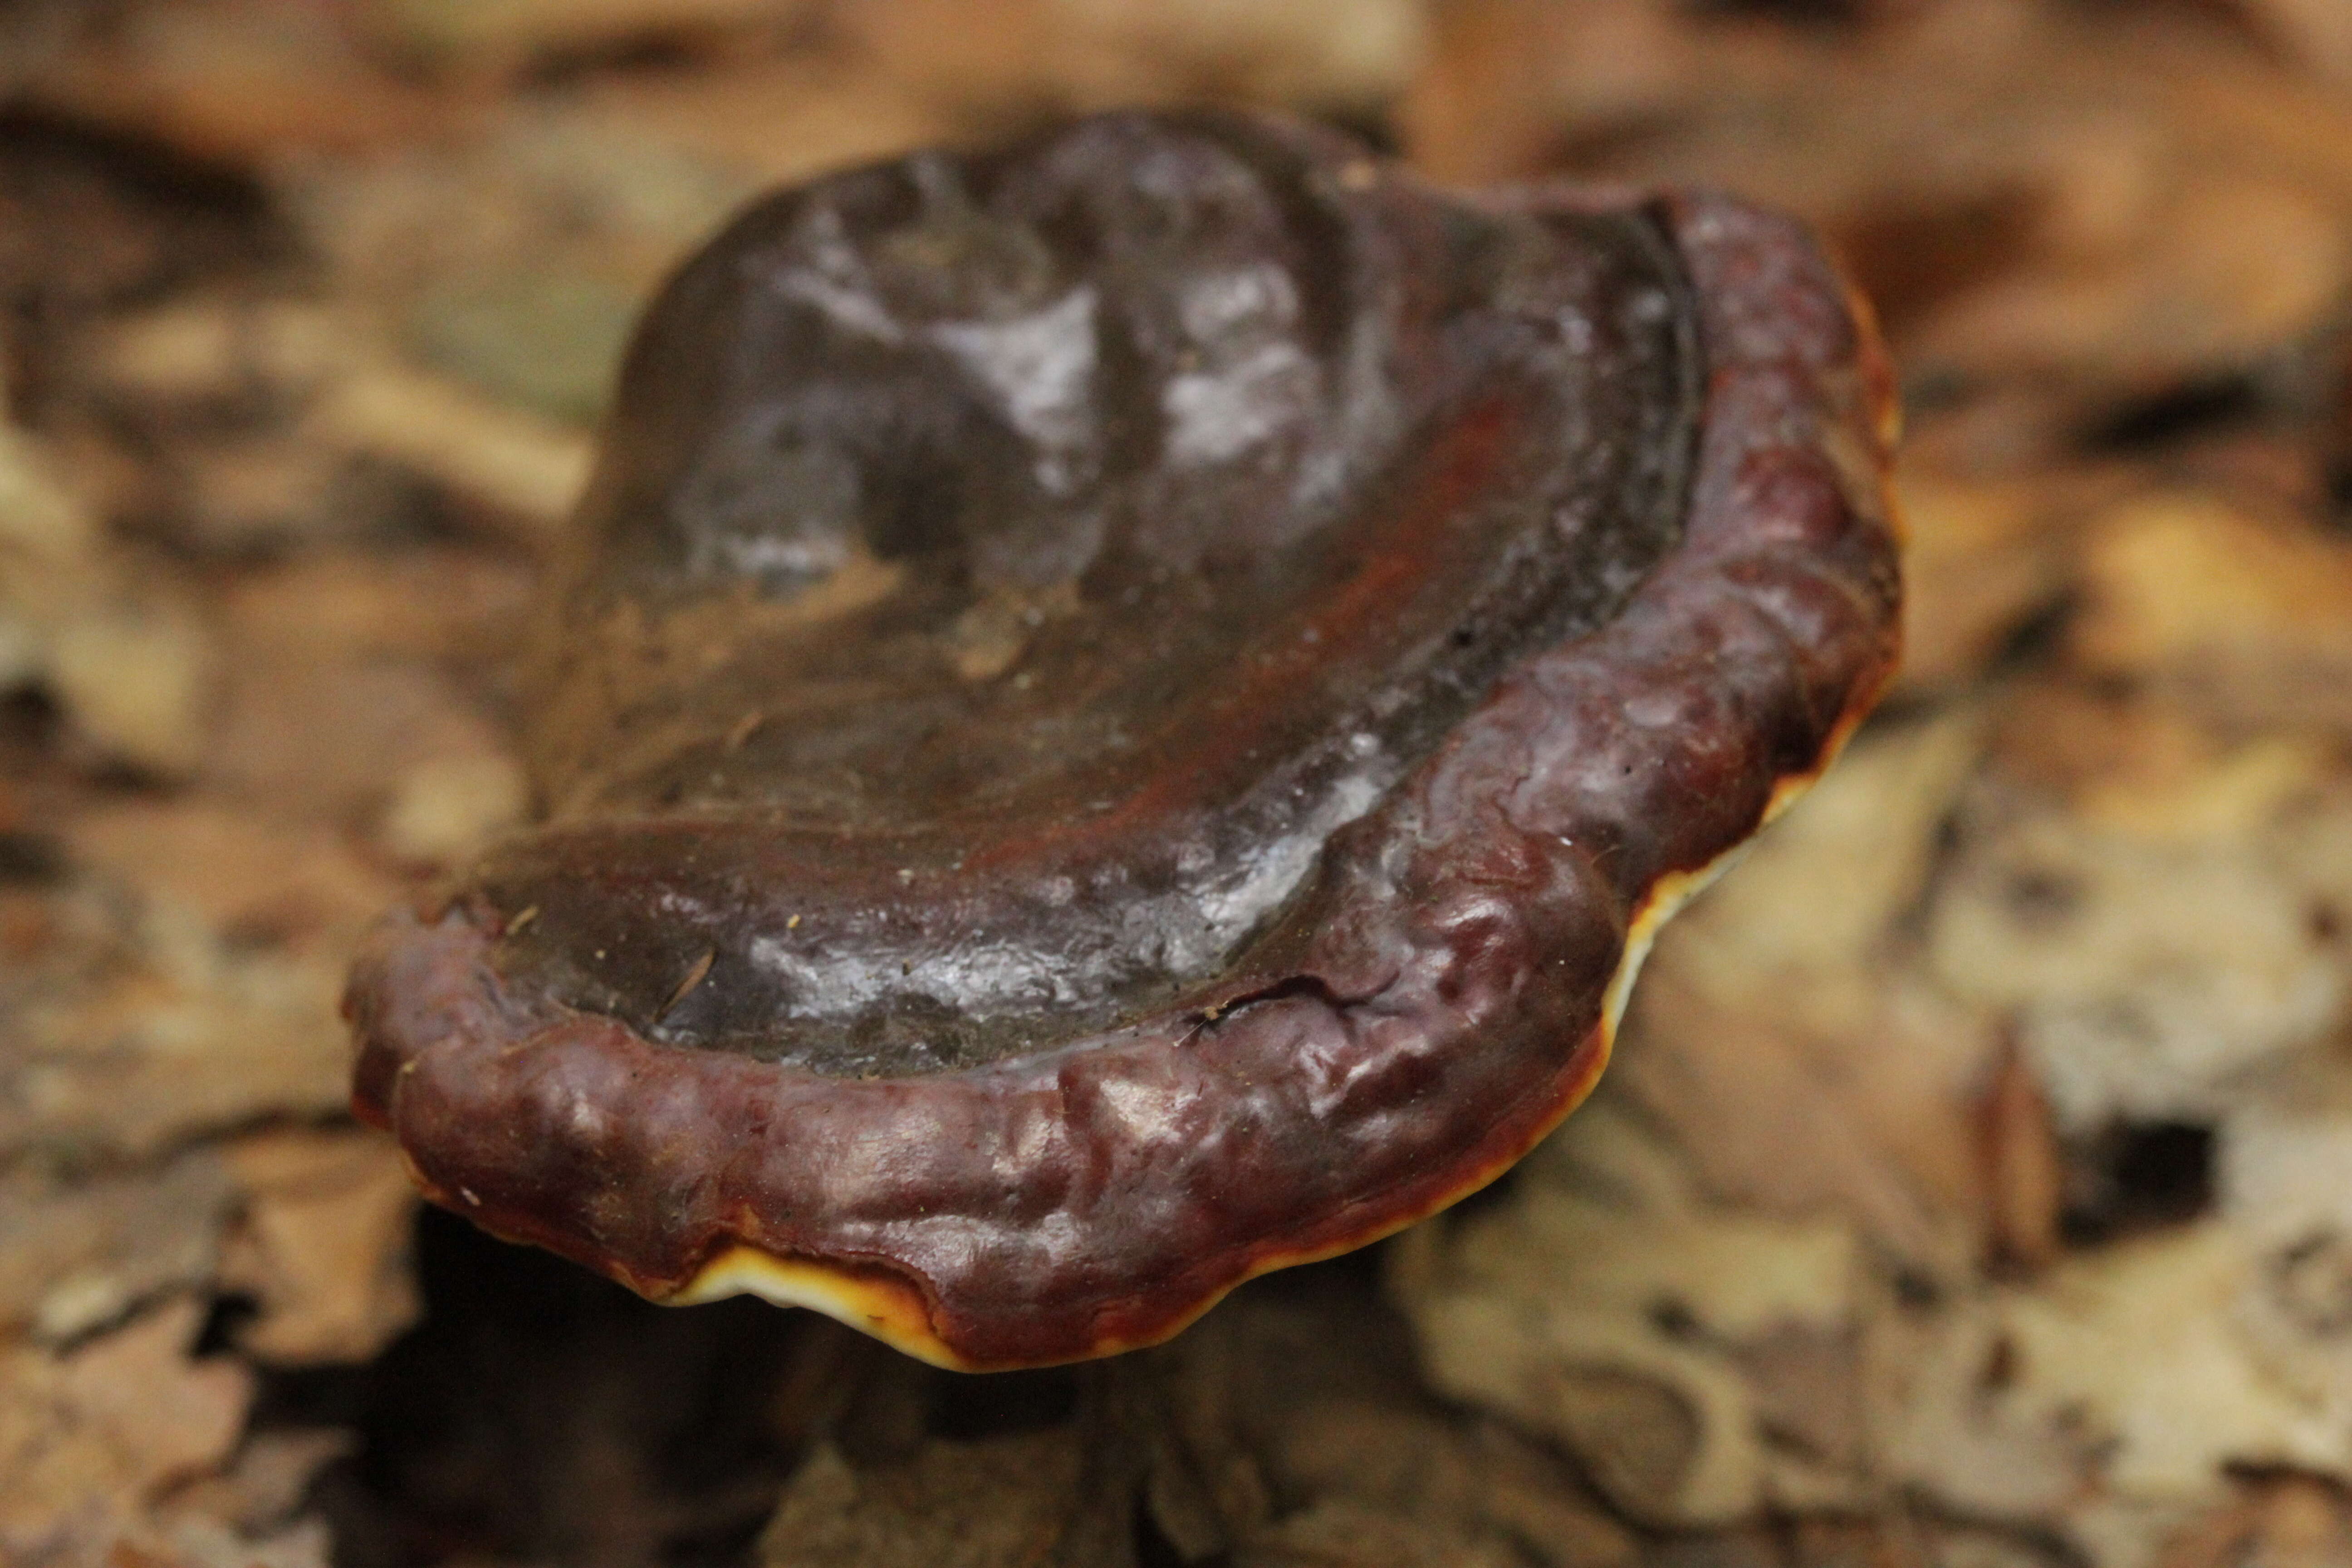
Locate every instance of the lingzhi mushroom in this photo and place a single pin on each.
(1122, 713)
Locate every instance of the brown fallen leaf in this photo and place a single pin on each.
(999, 60)
(425, 604)
(77, 1255)
(1985, 557)
(2248, 618)
(774, 119)
(2144, 975)
(1607, 1305)
(87, 1439)
(2277, 1521)
(314, 653)
(191, 983)
(261, 1491)
(2318, 32)
(2033, 195)
(492, 37)
(2024, 1175)
(444, 808)
(236, 84)
(1776, 1014)
(322, 1246)
(2111, 1397)
(256, 881)
(129, 655)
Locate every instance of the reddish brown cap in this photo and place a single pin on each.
(1121, 715)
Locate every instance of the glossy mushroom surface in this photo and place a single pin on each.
(1122, 713)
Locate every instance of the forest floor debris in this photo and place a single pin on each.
(1968, 1189)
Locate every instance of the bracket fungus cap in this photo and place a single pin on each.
(1122, 713)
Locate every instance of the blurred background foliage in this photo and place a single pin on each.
(1975, 1183)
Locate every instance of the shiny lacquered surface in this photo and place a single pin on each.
(1178, 782)
(1007, 572)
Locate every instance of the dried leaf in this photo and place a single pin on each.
(1600, 1304)
(2144, 973)
(1077, 55)
(1768, 1018)
(323, 1246)
(75, 1255)
(2250, 619)
(88, 1438)
(2125, 1368)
